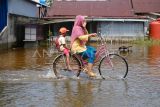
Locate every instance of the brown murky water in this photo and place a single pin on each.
(27, 80)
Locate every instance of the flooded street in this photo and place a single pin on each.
(27, 80)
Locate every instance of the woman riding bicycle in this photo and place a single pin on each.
(79, 38)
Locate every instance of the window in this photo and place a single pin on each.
(30, 33)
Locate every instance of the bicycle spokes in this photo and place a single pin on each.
(60, 69)
(119, 68)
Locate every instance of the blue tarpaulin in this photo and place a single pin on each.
(3, 14)
(43, 1)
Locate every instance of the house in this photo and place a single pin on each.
(111, 18)
(150, 8)
(20, 20)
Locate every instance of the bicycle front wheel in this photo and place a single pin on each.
(113, 66)
(60, 67)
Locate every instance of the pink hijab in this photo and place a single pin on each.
(77, 30)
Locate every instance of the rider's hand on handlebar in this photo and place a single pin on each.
(93, 34)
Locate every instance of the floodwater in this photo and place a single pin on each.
(27, 80)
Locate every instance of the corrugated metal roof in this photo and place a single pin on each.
(56, 20)
(109, 8)
(146, 6)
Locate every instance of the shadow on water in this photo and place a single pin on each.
(27, 80)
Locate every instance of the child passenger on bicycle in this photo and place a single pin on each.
(62, 45)
(79, 38)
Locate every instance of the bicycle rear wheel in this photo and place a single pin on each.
(60, 67)
(113, 66)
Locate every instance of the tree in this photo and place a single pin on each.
(49, 2)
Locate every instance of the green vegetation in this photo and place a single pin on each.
(146, 41)
(49, 2)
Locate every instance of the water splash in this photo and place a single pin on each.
(49, 74)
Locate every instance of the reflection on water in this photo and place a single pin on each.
(27, 80)
(78, 94)
(154, 59)
(154, 54)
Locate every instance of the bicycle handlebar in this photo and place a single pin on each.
(101, 39)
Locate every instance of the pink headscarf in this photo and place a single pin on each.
(77, 30)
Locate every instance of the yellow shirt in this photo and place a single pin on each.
(79, 45)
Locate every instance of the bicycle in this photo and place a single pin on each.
(110, 64)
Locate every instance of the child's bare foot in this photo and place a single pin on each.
(69, 68)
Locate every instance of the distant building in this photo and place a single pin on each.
(20, 20)
(112, 18)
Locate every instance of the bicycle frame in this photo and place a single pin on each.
(102, 51)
